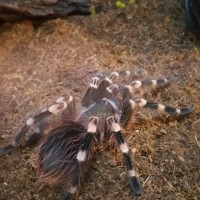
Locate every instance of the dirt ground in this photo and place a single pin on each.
(41, 63)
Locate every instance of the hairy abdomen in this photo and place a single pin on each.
(56, 155)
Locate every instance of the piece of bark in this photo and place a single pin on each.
(17, 9)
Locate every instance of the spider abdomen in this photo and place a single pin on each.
(57, 162)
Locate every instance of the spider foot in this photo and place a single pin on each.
(136, 186)
(185, 111)
(70, 193)
(33, 140)
(7, 149)
(68, 196)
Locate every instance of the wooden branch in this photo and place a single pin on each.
(16, 9)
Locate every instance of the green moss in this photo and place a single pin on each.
(120, 4)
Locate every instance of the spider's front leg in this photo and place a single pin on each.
(38, 123)
(100, 88)
(114, 127)
(82, 156)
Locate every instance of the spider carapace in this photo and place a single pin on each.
(65, 150)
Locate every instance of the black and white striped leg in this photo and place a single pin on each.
(16, 142)
(91, 92)
(115, 128)
(150, 83)
(37, 123)
(37, 134)
(100, 88)
(106, 86)
(107, 81)
(18, 139)
(128, 106)
(168, 109)
(112, 90)
(125, 73)
(128, 103)
(83, 155)
(71, 192)
(70, 111)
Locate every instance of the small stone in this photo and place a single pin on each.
(26, 156)
(173, 124)
(163, 131)
(181, 158)
(35, 197)
(134, 150)
(112, 162)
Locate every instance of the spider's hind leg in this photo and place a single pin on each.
(16, 142)
(37, 134)
(38, 123)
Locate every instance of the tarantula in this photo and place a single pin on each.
(65, 151)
